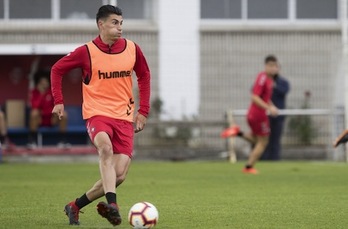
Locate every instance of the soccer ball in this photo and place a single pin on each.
(143, 215)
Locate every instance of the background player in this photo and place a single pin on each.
(41, 104)
(107, 64)
(257, 118)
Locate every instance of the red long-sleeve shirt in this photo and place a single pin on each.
(79, 58)
(263, 88)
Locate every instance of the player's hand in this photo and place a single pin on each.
(58, 110)
(273, 111)
(140, 122)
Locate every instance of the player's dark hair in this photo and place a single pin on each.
(270, 58)
(106, 10)
(40, 75)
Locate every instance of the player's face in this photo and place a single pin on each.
(271, 68)
(111, 27)
(43, 84)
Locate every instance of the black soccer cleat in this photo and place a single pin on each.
(72, 211)
(110, 212)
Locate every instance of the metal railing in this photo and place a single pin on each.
(201, 138)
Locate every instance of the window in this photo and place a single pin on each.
(221, 9)
(317, 9)
(79, 9)
(268, 9)
(1, 9)
(70, 9)
(135, 9)
(33, 9)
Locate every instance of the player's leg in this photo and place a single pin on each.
(62, 124)
(234, 131)
(266, 155)
(3, 129)
(106, 164)
(261, 130)
(110, 211)
(34, 119)
(73, 208)
(107, 210)
(250, 137)
(108, 179)
(95, 126)
(122, 163)
(34, 123)
(261, 143)
(122, 141)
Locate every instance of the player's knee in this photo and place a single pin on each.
(265, 142)
(34, 113)
(262, 141)
(65, 116)
(105, 150)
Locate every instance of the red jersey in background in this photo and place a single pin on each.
(257, 116)
(43, 102)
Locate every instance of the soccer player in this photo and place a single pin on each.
(41, 102)
(259, 108)
(107, 64)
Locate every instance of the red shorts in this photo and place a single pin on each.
(259, 125)
(121, 133)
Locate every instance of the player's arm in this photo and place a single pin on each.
(257, 91)
(269, 107)
(342, 138)
(75, 59)
(143, 76)
(259, 102)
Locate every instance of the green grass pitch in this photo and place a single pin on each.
(187, 194)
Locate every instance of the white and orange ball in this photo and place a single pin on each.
(143, 215)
